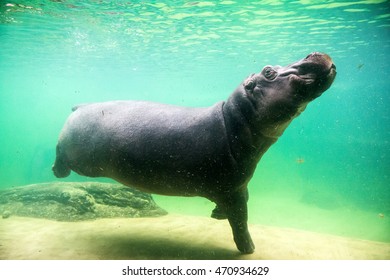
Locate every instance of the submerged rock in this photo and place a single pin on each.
(75, 201)
(6, 214)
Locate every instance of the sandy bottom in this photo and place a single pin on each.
(169, 237)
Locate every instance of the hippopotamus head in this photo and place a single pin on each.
(279, 94)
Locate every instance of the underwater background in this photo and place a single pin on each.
(329, 172)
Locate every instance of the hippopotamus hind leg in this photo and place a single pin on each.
(218, 213)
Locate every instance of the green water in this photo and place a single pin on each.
(330, 170)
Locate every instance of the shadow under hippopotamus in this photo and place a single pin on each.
(169, 237)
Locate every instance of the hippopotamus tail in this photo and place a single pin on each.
(60, 168)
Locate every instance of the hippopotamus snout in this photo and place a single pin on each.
(317, 63)
(320, 57)
(318, 70)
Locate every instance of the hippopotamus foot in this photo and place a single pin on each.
(235, 209)
(244, 241)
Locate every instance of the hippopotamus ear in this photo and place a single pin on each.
(249, 84)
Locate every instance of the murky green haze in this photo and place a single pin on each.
(330, 170)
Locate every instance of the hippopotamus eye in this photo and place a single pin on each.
(269, 73)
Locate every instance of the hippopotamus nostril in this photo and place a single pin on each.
(313, 54)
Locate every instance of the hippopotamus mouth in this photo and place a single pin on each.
(316, 71)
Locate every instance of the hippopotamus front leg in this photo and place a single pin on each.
(234, 208)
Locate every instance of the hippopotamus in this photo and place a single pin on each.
(210, 152)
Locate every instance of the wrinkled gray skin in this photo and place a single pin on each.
(210, 152)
